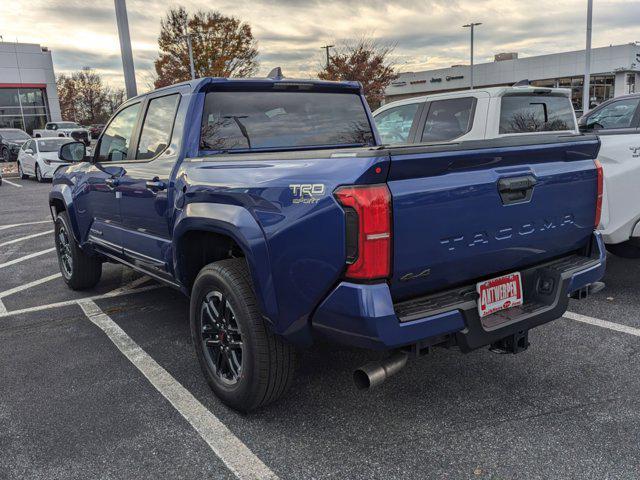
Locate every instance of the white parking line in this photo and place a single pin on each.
(13, 225)
(11, 183)
(603, 323)
(229, 448)
(28, 237)
(126, 290)
(20, 288)
(26, 257)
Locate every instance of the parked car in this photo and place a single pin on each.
(64, 129)
(617, 123)
(95, 130)
(476, 115)
(271, 203)
(11, 139)
(38, 157)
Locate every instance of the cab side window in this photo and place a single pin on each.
(395, 124)
(618, 114)
(448, 119)
(157, 126)
(116, 139)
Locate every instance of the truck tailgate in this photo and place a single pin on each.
(468, 211)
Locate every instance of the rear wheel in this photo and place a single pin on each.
(245, 364)
(21, 173)
(628, 249)
(79, 270)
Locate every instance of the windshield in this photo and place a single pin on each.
(68, 125)
(271, 120)
(52, 145)
(14, 135)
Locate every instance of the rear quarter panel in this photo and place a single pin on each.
(303, 234)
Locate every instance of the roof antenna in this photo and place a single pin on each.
(276, 74)
(522, 83)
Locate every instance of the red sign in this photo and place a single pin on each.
(499, 294)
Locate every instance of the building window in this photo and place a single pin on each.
(24, 108)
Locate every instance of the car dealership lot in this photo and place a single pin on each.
(110, 388)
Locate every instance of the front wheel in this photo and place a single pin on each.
(6, 155)
(79, 270)
(245, 364)
(628, 249)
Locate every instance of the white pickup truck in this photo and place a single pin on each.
(476, 115)
(64, 129)
(503, 111)
(617, 123)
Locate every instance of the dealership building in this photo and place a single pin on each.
(28, 96)
(615, 71)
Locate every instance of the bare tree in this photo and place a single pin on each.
(365, 61)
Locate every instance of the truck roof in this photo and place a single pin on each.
(477, 92)
(201, 84)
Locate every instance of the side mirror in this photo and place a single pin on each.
(29, 151)
(72, 152)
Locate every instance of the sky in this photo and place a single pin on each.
(426, 34)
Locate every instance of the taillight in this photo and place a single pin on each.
(368, 230)
(600, 193)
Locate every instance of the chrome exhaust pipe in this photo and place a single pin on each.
(374, 373)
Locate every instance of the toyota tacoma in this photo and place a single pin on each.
(272, 204)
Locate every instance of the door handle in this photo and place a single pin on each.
(112, 182)
(516, 189)
(156, 184)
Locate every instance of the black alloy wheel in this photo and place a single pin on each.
(221, 338)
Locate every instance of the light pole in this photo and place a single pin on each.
(125, 48)
(191, 67)
(327, 47)
(472, 27)
(587, 61)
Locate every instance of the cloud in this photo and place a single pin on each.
(426, 34)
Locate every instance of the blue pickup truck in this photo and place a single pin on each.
(272, 204)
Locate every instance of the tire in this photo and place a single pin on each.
(21, 173)
(6, 156)
(39, 174)
(625, 249)
(263, 364)
(79, 270)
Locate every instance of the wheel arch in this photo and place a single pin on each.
(206, 232)
(60, 200)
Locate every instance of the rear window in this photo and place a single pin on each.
(235, 120)
(52, 145)
(536, 113)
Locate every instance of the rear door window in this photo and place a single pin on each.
(246, 120)
(618, 114)
(448, 119)
(394, 125)
(157, 126)
(526, 113)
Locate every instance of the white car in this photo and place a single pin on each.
(64, 129)
(38, 157)
(617, 123)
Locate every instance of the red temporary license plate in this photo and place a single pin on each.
(499, 294)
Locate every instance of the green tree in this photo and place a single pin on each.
(222, 47)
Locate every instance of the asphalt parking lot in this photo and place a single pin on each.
(105, 384)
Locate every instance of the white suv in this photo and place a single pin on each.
(617, 123)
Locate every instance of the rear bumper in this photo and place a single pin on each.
(365, 315)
